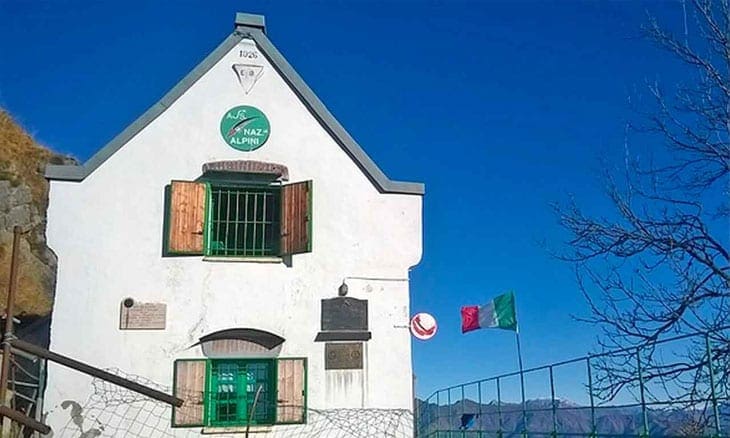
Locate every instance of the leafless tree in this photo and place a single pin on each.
(660, 264)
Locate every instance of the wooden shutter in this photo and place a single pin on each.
(189, 386)
(296, 218)
(187, 217)
(290, 400)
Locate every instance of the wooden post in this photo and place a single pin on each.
(8, 335)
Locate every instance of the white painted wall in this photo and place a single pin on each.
(107, 233)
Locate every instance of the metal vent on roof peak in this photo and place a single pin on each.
(250, 20)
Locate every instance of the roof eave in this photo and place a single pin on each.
(65, 172)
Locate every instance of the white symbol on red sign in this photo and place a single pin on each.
(423, 326)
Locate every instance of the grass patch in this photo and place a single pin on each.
(23, 160)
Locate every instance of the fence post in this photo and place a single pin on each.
(425, 428)
(713, 394)
(39, 397)
(451, 412)
(644, 414)
(463, 432)
(438, 410)
(590, 395)
(499, 409)
(554, 434)
(479, 414)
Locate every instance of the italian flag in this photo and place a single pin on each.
(498, 313)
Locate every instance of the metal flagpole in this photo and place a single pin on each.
(522, 384)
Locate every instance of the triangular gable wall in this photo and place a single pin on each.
(247, 26)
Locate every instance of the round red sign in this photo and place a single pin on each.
(423, 326)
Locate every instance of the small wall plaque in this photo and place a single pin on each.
(142, 316)
(343, 356)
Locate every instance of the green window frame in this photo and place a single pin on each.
(229, 217)
(242, 220)
(232, 388)
(220, 392)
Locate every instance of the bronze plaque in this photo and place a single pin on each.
(343, 356)
(142, 316)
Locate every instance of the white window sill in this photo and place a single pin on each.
(223, 259)
(235, 429)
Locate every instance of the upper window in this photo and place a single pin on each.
(244, 221)
(239, 392)
(233, 219)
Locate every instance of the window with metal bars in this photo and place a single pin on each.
(224, 217)
(222, 392)
(241, 391)
(243, 221)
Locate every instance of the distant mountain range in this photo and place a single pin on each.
(570, 418)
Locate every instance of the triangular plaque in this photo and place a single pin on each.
(248, 75)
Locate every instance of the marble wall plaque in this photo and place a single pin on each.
(135, 315)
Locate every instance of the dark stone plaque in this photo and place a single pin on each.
(343, 356)
(344, 313)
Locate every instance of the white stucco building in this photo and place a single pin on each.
(234, 241)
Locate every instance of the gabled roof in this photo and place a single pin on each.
(247, 26)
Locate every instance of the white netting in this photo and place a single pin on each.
(113, 411)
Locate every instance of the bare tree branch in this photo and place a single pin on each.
(660, 264)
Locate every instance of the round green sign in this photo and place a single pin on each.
(245, 128)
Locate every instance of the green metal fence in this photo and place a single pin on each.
(673, 387)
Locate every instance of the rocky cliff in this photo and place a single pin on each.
(23, 201)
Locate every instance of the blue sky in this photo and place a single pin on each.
(500, 108)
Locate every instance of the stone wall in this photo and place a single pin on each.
(37, 267)
(16, 206)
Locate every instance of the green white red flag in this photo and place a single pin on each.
(498, 313)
